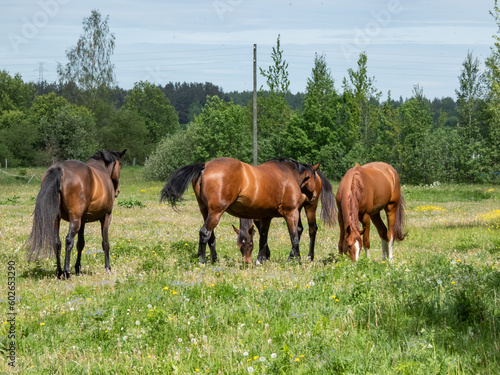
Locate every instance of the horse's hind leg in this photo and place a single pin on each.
(80, 244)
(105, 222)
(207, 236)
(391, 221)
(74, 227)
(57, 249)
(382, 232)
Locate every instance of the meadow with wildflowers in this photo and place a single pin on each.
(433, 310)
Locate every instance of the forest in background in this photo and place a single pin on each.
(333, 123)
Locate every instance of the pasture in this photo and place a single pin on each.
(433, 310)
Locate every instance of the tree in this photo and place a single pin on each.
(71, 134)
(14, 93)
(277, 74)
(89, 68)
(273, 112)
(18, 137)
(416, 125)
(126, 130)
(491, 154)
(366, 97)
(150, 102)
(222, 129)
(469, 103)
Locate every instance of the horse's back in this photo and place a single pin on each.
(244, 190)
(381, 182)
(86, 191)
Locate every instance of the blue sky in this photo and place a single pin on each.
(407, 42)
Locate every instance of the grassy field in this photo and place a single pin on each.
(433, 310)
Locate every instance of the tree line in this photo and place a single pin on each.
(176, 124)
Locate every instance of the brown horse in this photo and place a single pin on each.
(363, 193)
(323, 189)
(272, 189)
(79, 193)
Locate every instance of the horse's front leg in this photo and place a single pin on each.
(313, 229)
(292, 221)
(264, 252)
(365, 221)
(74, 227)
(105, 223)
(342, 232)
(80, 244)
(300, 229)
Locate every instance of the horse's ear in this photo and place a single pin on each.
(251, 231)
(315, 167)
(122, 153)
(236, 230)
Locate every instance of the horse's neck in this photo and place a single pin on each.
(100, 165)
(350, 205)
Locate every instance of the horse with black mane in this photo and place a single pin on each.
(277, 188)
(79, 193)
(363, 193)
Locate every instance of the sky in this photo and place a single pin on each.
(407, 42)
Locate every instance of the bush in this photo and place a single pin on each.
(171, 153)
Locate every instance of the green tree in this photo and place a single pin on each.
(317, 126)
(277, 75)
(388, 145)
(89, 73)
(14, 93)
(362, 89)
(126, 130)
(470, 107)
(273, 112)
(222, 129)
(151, 103)
(416, 125)
(18, 137)
(491, 154)
(71, 134)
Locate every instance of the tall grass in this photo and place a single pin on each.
(433, 310)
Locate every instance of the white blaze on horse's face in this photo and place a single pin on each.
(357, 249)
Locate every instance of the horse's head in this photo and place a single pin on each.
(245, 239)
(308, 185)
(352, 242)
(116, 168)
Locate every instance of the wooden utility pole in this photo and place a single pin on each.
(255, 104)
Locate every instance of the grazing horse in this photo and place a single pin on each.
(273, 189)
(79, 193)
(323, 189)
(363, 193)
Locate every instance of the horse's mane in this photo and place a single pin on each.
(300, 167)
(106, 156)
(354, 195)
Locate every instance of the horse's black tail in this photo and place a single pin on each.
(398, 233)
(42, 240)
(328, 205)
(179, 181)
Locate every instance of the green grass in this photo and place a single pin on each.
(433, 310)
